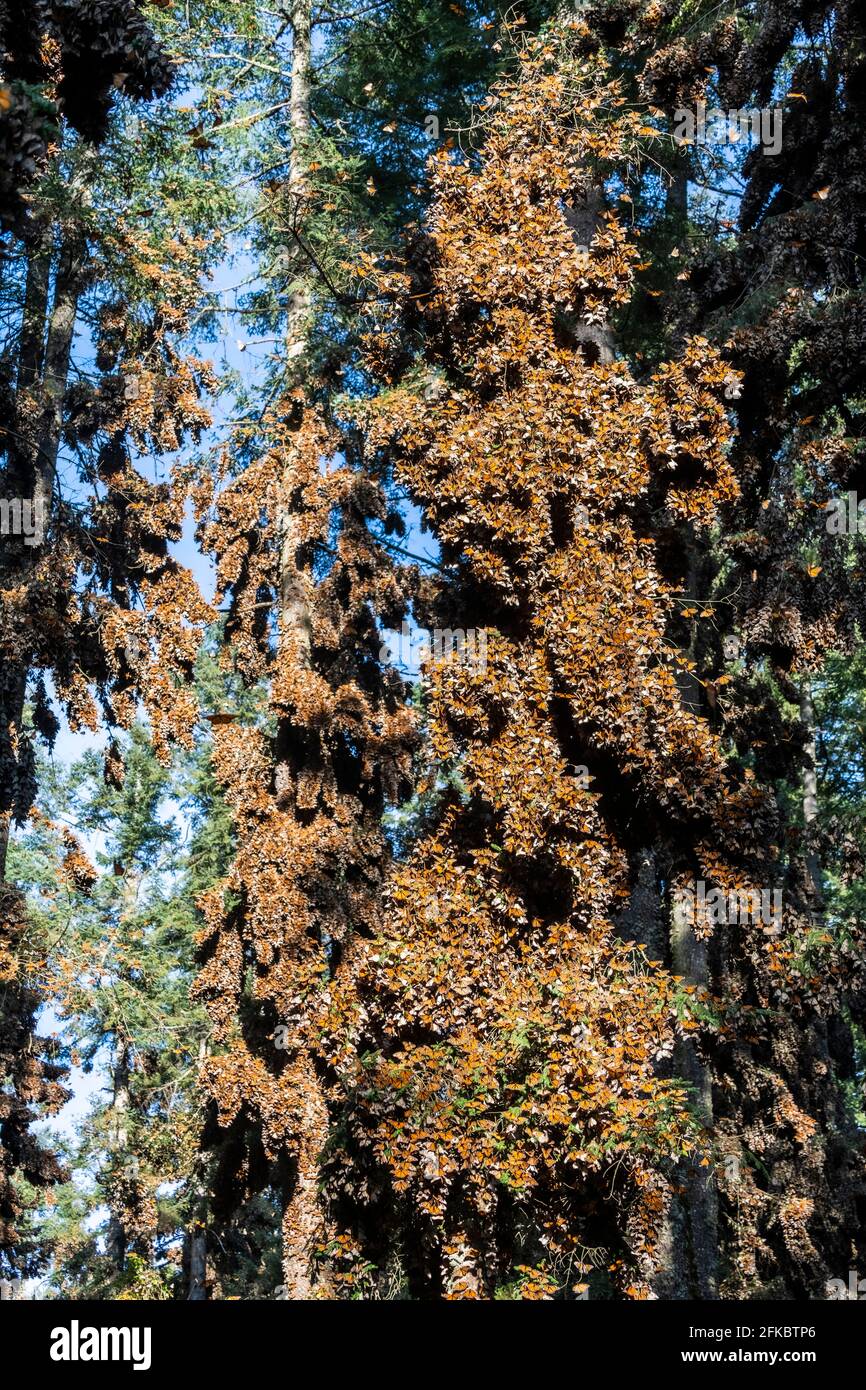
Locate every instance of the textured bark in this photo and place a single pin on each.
(586, 219)
(677, 200)
(297, 325)
(810, 796)
(196, 1244)
(302, 1216)
(35, 312)
(58, 351)
(120, 1101)
(690, 1243)
(302, 1226)
(687, 1247)
(643, 920)
(295, 623)
(197, 1265)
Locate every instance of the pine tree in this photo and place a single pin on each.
(769, 268)
(104, 252)
(305, 543)
(117, 970)
(64, 63)
(511, 1050)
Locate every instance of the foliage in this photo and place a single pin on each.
(511, 359)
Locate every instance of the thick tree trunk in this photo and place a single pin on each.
(642, 920)
(585, 219)
(299, 181)
(58, 353)
(677, 200)
(810, 798)
(686, 1251)
(303, 1223)
(120, 1102)
(196, 1252)
(689, 1244)
(295, 624)
(197, 1264)
(35, 313)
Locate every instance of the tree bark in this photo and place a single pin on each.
(677, 200)
(642, 920)
(58, 353)
(198, 1264)
(585, 220)
(197, 1235)
(295, 623)
(35, 312)
(689, 1242)
(814, 881)
(120, 1101)
(303, 1222)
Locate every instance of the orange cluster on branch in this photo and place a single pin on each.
(292, 539)
(504, 1049)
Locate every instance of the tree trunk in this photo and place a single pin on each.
(688, 1247)
(295, 624)
(198, 1264)
(35, 312)
(810, 798)
(197, 1234)
(585, 220)
(642, 920)
(303, 1223)
(120, 1101)
(58, 352)
(299, 181)
(677, 200)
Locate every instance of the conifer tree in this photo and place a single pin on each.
(301, 538)
(769, 239)
(513, 1051)
(115, 946)
(103, 257)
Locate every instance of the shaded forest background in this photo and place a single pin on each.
(325, 975)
